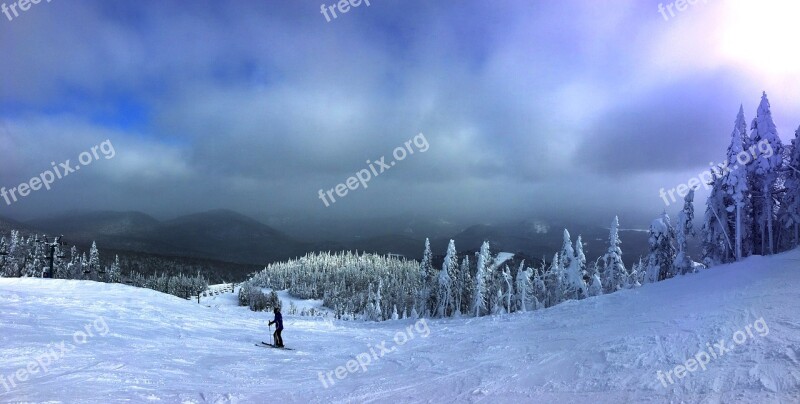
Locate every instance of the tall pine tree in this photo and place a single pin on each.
(767, 165)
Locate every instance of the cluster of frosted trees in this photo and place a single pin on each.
(30, 257)
(178, 285)
(257, 300)
(492, 287)
(754, 206)
(366, 286)
(460, 288)
(375, 287)
(668, 256)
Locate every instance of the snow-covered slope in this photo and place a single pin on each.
(149, 347)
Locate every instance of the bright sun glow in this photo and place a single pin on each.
(763, 35)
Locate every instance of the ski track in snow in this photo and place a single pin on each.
(601, 350)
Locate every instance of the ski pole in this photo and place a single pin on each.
(270, 333)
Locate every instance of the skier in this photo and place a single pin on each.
(278, 321)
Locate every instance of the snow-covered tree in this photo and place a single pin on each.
(112, 274)
(87, 273)
(3, 255)
(747, 208)
(427, 280)
(596, 287)
(574, 285)
(480, 292)
(580, 262)
(715, 233)
(683, 263)
(567, 253)
(767, 165)
(497, 302)
(736, 185)
(792, 198)
(378, 315)
(463, 288)
(444, 298)
(11, 261)
(508, 290)
(641, 272)
(94, 263)
(524, 288)
(539, 288)
(554, 282)
(662, 249)
(614, 276)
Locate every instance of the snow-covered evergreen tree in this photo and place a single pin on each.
(614, 276)
(463, 289)
(715, 239)
(747, 210)
(580, 262)
(94, 263)
(767, 165)
(596, 287)
(737, 186)
(11, 263)
(427, 280)
(539, 288)
(641, 270)
(3, 255)
(554, 282)
(74, 269)
(86, 272)
(567, 253)
(792, 198)
(508, 290)
(662, 249)
(480, 292)
(574, 286)
(378, 302)
(524, 288)
(683, 263)
(497, 302)
(444, 299)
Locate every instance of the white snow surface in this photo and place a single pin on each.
(150, 347)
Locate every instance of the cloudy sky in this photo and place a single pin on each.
(573, 108)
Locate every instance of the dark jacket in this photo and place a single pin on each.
(278, 321)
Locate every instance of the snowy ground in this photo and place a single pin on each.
(133, 345)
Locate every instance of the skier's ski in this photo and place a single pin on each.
(266, 345)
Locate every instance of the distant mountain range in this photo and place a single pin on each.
(6, 225)
(220, 235)
(224, 235)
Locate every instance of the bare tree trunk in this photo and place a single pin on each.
(768, 204)
(738, 232)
